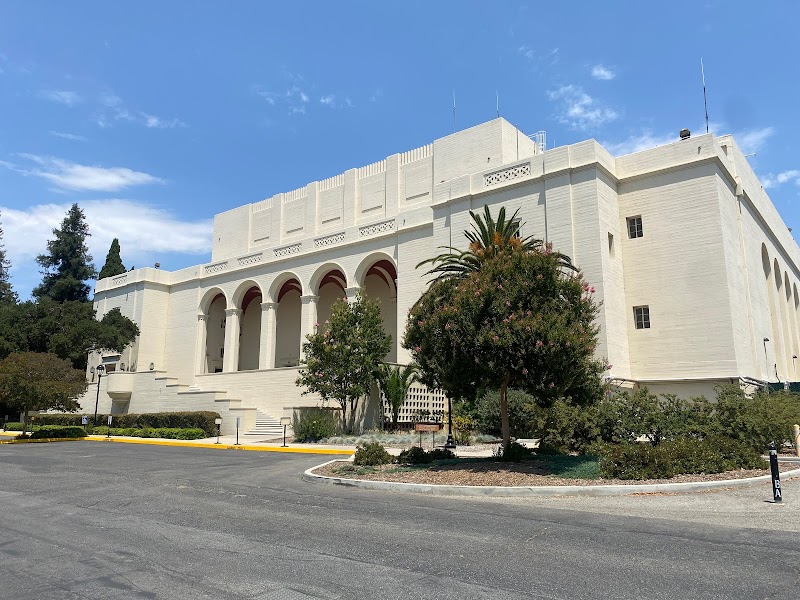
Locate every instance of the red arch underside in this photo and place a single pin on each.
(290, 286)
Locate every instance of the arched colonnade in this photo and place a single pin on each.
(262, 326)
(782, 348)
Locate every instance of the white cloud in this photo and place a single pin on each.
(771, 181)
(603, 73)
(637, 142)
(579, 110)
(115, 110)
(376, 95)
(146, 234)
(294, 99)
(69, 136)
(62, 97)
(72, 176)
(753, 140)
(328, 100)
(539, 59)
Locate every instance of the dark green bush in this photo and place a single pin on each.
(170, 433)
(201, 419)
(514, 453)
(414, 456)
(313, 424)
(756, 421)
(58, 431)
(521, 412)
(635, 461)
(441, 454)
(372, 453)
(676, 457)
(418, 456)
(11, 426)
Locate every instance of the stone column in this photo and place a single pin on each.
(201, 360)
(351, 293)
(231, 360)
(308, 317)
(266, 353)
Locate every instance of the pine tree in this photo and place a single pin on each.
(7, 294)
(67, 265)
(113, 264)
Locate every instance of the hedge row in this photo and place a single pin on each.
(57, 431)
(678, 457)
(171, 433)
(173, 420)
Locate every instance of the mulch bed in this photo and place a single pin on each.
(491, 473)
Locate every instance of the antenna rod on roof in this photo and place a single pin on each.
(498, 104)
(454, 110)
(705, 98)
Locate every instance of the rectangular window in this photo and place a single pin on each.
(641, 316)
(635, 227)
(518, 232)
(611, 244)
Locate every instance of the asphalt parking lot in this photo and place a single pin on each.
(92, 520)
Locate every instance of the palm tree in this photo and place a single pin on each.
(394, 382)
(488, 238)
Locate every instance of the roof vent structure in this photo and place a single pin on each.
(685, 134)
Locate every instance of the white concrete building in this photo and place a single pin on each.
(696, 271)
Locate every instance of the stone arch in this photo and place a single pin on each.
(248, 298)
(791, 329)
(216, 322)
(775, 338)
(241, 290)
(329, 283)
(783, 321)
(286, 291)
(377, 277)
(209, 296)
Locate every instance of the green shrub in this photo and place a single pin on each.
(372, 453)
(756, 421)
(313, 424)
(170, 433)
(201, 419)
(635, 461)
(514, 453)
(58, 431)
(418, 456)
(441, 454)
(676, 457)
(11, 426)
(521, 410)
(463, 426)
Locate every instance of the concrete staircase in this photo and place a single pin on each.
(267, 427)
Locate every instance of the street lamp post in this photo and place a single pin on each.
(766, 358)
(100, 370)
(450, 443)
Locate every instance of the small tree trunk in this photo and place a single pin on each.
(395, 417)
(505, 429)
(352, 427)
(344, 416)
(25, 421)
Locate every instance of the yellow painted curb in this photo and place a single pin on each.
(39, 440)
(187, 444)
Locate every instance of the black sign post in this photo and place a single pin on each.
(776, 476)
(5, 423)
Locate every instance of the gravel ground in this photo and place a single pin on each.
(510, 474)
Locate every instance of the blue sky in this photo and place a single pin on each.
(154, 116)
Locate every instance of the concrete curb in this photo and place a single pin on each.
(40, 440)
(538, 490)
(190, 444)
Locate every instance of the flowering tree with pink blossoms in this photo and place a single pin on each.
(520, 320)
(342, 357)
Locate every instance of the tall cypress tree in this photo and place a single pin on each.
(67, 265)
(113, 264)
(7, 294)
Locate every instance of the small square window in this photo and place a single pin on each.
(641, 317)
(635, 227)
